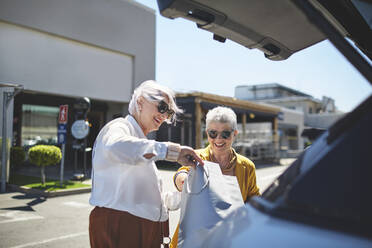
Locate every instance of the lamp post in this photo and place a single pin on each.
(7, 97)
(80, 130)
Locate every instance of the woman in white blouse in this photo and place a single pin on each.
(131, 208)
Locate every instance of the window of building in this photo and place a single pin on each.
(39, 125)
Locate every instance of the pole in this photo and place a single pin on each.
(276, 139)
(198, 117)
(244, 126)
(85, 158)
(4, 147)
(62, 163)
(76, 158)
(7, 96)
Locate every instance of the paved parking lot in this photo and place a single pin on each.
(31, 221)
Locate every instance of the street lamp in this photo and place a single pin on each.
(7, 97)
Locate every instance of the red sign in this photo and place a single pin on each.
(63, 114)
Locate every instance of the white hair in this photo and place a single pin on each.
(222, 115)
(154, 92)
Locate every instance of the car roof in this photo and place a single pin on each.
(277, 28)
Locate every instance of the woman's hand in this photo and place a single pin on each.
(188, 157)
(180, 179)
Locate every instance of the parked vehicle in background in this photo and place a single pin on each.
(324, 198)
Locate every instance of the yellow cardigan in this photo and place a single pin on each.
(245, 173)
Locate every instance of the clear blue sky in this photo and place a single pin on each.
(188, 59)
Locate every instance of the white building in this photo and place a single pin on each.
(63, 50)
(280, 95)
(299, 110)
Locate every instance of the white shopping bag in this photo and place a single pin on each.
(208, 197)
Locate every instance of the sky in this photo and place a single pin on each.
(188, 59)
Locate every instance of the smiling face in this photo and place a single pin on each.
(219, 145)
(149, 117)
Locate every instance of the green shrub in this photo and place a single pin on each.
(17, 156)
(44, 155)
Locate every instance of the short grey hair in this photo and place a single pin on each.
(222, 115)
(153, 92)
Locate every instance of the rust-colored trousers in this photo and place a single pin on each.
(109, 228)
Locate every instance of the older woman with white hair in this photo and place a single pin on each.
(131, 209)
(221, 129)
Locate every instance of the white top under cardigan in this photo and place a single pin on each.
(123, 179)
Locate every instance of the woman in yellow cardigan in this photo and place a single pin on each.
(221, 130)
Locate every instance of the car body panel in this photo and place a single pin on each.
(249, 227)
(277, 28)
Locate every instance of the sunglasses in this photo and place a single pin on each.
(225, 134)
(163, 107)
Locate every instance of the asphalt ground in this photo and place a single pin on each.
(35, 221)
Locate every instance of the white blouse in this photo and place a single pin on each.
(123, 179)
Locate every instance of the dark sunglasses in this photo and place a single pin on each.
(163, 107)
(225, 134)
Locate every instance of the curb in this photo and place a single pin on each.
(61, 192)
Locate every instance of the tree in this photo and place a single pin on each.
(44, 155)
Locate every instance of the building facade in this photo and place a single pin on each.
(283, 96)
(299, 109)
(61, 51)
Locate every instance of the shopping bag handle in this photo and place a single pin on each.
(187, 188)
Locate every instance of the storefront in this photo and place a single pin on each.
(35, 120)
(91, 50)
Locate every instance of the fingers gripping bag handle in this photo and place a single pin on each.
(198, 184)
